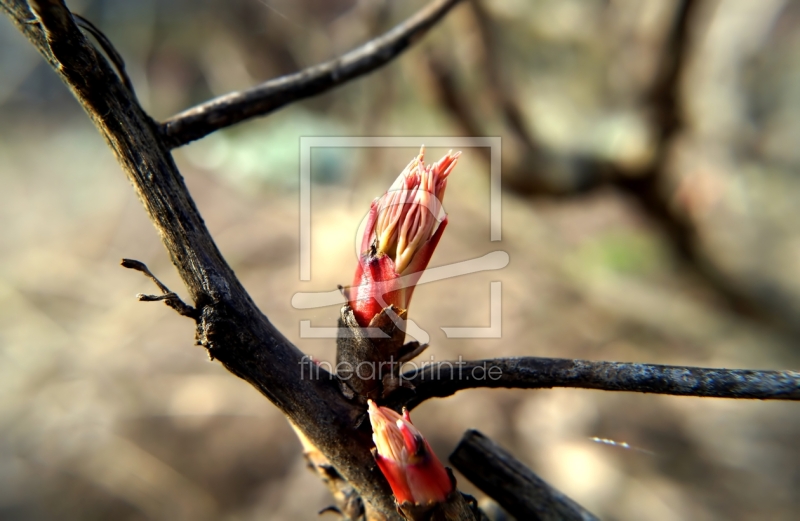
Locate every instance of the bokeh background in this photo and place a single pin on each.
(108, 410)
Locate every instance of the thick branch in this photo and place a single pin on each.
(228, 323)
(235, 107)
(447, 378)
(514, 486)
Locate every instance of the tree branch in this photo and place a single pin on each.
(515, 487)
(447, 378)
(235, 107)
(228, 323)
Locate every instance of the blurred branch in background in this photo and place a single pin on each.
(539, 172)
(261, 100)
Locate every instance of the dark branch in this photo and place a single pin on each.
(447, 378)
(229, 324)
(235, 107)
(515, 487)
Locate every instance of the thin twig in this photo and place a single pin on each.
(514, 486)
(235, 107)
(132, 264)
(447, 378)
(170, 298)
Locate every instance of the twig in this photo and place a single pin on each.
(446, 378)
(514, 486)
(170, 298)
(132, 264)
(235, 107)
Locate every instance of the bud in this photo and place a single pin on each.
(403, 228)
(406, 460)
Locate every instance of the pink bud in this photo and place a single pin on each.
(412, 469)
(403, 228)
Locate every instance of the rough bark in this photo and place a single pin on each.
(447, 378)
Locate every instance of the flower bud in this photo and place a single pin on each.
(406, 460)
(403, 228)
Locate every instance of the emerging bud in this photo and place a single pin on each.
(403, 229)
(414, 472)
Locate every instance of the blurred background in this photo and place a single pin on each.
(650, 205)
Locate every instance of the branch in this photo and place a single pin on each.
(447, 378)
(235, 107)
(514, 486)
(664, 101)
(228, 323)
